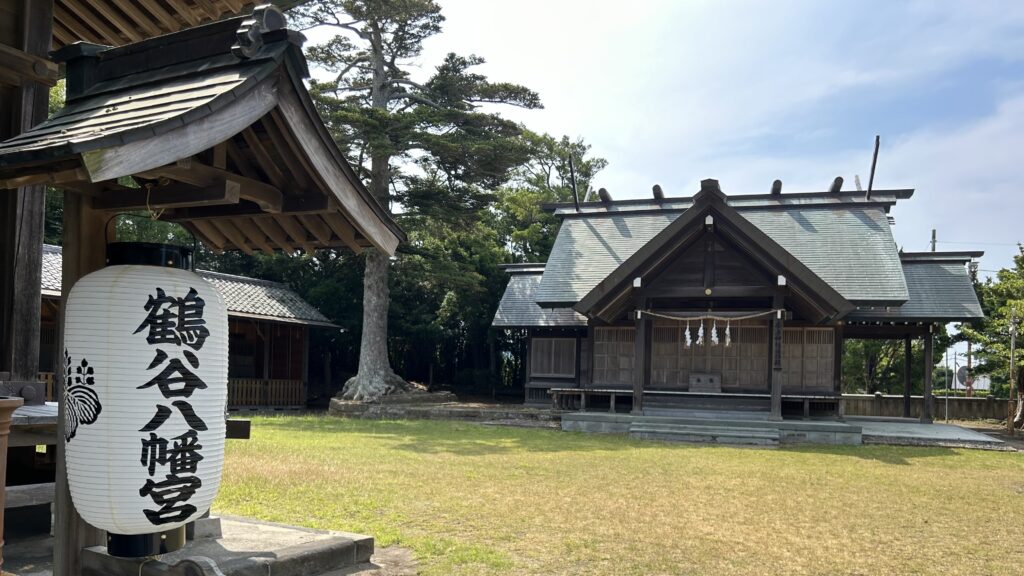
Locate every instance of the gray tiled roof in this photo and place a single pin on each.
(245, 297)
(518, 309)
(939, 290)
(850, 246)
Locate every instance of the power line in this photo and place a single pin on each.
(980, 243)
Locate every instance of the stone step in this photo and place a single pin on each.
(708, 414)
(706, 434)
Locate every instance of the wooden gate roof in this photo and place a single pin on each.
(118, 22)
(216, 128)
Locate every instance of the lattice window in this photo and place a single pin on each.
(553, 357)
(614, 351)
(808, 359)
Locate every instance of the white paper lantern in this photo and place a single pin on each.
(146, 360)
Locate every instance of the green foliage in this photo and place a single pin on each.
(871, 366)
(1002, 300)
(527, 230)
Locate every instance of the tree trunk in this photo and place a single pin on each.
(375, 377)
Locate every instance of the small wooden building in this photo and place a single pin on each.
(727, 302)
(269, 327)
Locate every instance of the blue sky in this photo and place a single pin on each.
(672, 92)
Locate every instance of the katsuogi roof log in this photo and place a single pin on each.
(215, 129)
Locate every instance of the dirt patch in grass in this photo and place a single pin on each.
(473, 499)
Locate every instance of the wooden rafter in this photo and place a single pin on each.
(263, 158)
(85, 12)
(156, 9)
(295, 167)
(232, 233)
(253, 234)
(272, 229)
(296, 231)
(210, 233)
(141, 20)
(75, 27)
(317, 226)
(185, 11)
(114, 17)
(209, 9)
(343, 229)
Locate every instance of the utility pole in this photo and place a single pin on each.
(1013, 375)
(933, 239)
(970, 372)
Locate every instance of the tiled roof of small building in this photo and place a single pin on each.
(518, 309)
(245, 297)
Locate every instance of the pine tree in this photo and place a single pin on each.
(396, 129)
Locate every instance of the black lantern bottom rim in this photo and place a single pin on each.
(142, 545)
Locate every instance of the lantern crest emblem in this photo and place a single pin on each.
(83, 403)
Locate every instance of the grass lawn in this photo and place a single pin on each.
(472, 499)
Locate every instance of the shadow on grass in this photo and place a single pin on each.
(895, 455)
(464, 438)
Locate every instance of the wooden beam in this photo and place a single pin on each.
(254, 234)
(30, 67)
(170, 196)
(112, 15)
(342, 229)
(263, 158)
(220, 156)
(296, 231)
(318, 227)
(236, 6)
(294, 205)
(241, 162)
(272, 229)
(229, 230)
(69, 175)
(191, 171)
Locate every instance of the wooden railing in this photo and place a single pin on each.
(241, 391)
(262, 392)
(47, 377)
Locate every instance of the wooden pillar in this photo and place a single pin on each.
(641, 361)
(929, 363)
(84, 251)
(776, 367)
(21, 210)
(908, 359)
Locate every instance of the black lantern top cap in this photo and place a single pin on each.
(150, 254)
